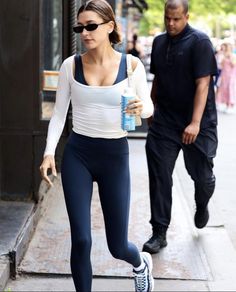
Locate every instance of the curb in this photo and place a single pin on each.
(4, 271)
(9, 262)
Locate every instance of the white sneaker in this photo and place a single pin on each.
(143, 279)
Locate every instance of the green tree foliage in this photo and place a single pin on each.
(207, 10)
(212, 7)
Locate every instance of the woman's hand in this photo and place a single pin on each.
(135, 107)
(48, 163)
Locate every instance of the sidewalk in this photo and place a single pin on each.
(194, 260)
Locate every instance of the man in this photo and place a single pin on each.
(135, 49)
(183, 64)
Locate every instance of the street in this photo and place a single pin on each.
(225, 168)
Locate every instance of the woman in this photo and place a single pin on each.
(97, 149)
(226, 94)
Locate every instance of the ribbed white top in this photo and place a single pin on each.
(96, 110)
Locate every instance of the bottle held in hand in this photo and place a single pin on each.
(127, 120)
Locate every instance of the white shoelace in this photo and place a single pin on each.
(141, 281)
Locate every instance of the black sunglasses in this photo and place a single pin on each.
(88, 27)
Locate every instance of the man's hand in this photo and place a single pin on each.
(190, 133)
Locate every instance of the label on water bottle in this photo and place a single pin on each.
(127, 121)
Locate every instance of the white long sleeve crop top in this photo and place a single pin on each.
(96, 110)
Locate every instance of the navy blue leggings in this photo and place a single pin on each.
(105, 161)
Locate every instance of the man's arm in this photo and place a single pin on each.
(154, 91)
(192, 130)
(153, 97)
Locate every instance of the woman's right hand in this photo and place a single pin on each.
(48, 163)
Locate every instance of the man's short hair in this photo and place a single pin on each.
(173, 4)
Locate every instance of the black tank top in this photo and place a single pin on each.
(79, 72)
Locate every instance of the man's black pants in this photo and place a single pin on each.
(162, 149)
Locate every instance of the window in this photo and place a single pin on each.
(51, 41)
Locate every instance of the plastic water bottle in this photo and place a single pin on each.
(127, 121)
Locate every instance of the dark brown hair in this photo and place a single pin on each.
(104, 10)
(173, 4)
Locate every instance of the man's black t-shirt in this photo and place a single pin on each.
(177, 62)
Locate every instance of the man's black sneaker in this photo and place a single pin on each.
(201, 216)
(155, 243)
